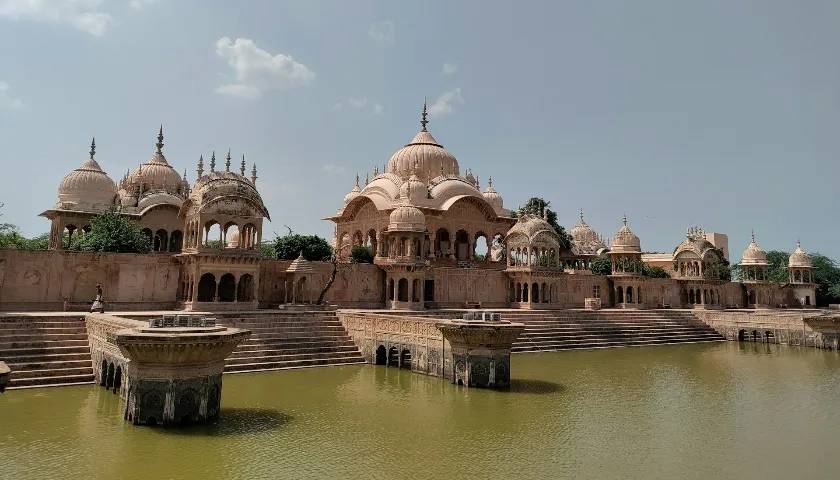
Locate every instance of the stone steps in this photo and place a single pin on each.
(45, 350)
(566, 330)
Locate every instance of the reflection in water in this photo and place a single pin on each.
(235, 421)
(684, 411)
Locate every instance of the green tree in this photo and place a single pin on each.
(601, 266)
(777, 270)
(267, 250)
(536, 206)
(654, 272)
(361, 254)
(313, 247)
(826, 275)
(112, 232)
(10, 238)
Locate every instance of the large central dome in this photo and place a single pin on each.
(424, 152)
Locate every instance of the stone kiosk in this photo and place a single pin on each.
(480, 349)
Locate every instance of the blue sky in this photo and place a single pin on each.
(723, 114)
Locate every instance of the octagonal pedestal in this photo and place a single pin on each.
(480, 351)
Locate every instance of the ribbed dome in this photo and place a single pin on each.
(754, 255)
(414, 190)
(156, 173)
(799, 258)
(585, 241)
(87, 187)
(531, 226)
(492, 196)
(353, 193)
(429, 157)
(625, 241)
(406, 218)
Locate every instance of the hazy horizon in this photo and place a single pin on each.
(718, 114)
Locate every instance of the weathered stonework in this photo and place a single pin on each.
(480, 351)
(806, 328)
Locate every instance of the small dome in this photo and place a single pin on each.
(532, 225)
(156, 173)
(625, 241)
(415, 191)
(585, 241)
(423, 156)
(126, 198)
(406, 218)
(353, 193)
(87, 187)
(799, 258)
(300, 265)
(754, 255)
(492, 196)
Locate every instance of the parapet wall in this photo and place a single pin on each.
(807, 328)
(49, 280)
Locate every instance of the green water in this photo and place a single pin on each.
(696, 411)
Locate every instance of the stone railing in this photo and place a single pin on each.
(105, 354)
(807, 329)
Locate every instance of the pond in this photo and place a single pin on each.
(685, 411)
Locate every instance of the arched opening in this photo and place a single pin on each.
(109, 382)
(103, 374)
(797, 276)
(357, 238)
(232, 237)
(301, 295)
(370, 242)
(344, 247)
(391, 289)
(402, 290)
(227, 288)
(415, 290)
(393, 357)
(545, 295)
(245, 288)
(629, 295)
(429, 291)
(117, 378)
(186, 410)
(755, 335)
(535, 293)
(176, 241)
(405, 359)
(768, 336)
(481, 250)
(619, 295)
(742, 335)
(442, 242)
(691, 296)
(497, 249)
(161, 241)
(525, 292)
(212, 235)
(381, 355)
(518, 297)
(207, 288)
(462, 245)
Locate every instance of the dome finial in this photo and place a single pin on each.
(490, 181)
(213, 162)
(159, 143)
(424, 118)
(242, 166)
(254, 174)
(200, 169)
(92, 147)
(752, 235)
(798, 244)
(367, 178)
(581, 216)
(227, 161)
(624, 219)
(357, 179)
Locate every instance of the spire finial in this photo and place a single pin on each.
(242, 166)
(490, 181)
(581, 216)
(624, 219)
(159, 143)
(227, 161)
(424, 120)
(213, 162)
(200, 169)
(752, 234)
(367, 178)
(254, 174)
(92, 147)
(357, 179)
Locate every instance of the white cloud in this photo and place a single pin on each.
(449, 68)
(445, 103)
(333, 169)
(257, 71)
(7, 101)
(140, 4)
(359, 103)
(382, 32)
(83, 15)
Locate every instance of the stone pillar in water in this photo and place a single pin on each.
(175, 374)
(480, 351)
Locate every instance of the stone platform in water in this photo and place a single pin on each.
(5, 373)
(480, 351)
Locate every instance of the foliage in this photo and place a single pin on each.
(536, 206)
(601, 266)
(10, 238)
(267, 250)
(361, 254)
(720, 270)
(313, 247)
(654, 272)
(777, 271)
(826, 275)
(112, 232)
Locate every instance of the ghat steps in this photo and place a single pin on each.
(45, 350)
(579, 329)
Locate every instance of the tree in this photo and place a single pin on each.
(313, 247)
(826, 275)
(654, 272)
(777, 270)
(267, 250)
(536, 206)
(601, 266)
(112, 232)
(361, 254)
(10, 238)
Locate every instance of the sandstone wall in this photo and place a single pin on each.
(47, 280)
(806, 328)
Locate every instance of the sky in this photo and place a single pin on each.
(719, 114)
